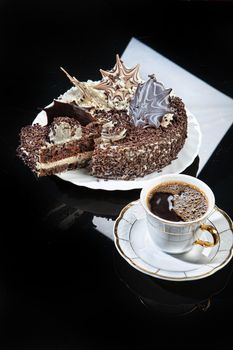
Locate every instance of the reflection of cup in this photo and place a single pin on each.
(179, 237)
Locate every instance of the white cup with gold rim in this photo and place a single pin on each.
(179, 237)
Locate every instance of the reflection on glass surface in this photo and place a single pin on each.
(73, 202)
(172, 298)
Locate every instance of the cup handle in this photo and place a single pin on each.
(212, 230)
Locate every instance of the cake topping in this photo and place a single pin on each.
(119, 84)
(68, 109)
(64, 130)
(86, 95)
(166, 120)
(150, 103)
(112, 132)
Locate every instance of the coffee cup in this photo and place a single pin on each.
(177, 237)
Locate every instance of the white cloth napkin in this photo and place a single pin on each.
(213, 109)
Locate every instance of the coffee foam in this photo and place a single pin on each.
(189, 202)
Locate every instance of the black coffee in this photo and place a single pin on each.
(177, 201)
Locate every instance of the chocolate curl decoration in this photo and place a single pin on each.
(118, 82)
(81, 86)
(88, 93)
(65, 109)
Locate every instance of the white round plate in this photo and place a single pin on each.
(186, 156)
(134, 244)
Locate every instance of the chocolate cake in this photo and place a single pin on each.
(119, 128)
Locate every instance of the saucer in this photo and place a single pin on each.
(133, 242)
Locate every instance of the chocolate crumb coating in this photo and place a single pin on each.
(32, 139)
(142, 150)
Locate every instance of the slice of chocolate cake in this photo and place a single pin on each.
(63, 145)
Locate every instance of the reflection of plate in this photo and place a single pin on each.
(98, 202)
(134, 244)
(186, 156)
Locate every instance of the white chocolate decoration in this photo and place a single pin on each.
(119, 84)
(166, 120)
(63, 132)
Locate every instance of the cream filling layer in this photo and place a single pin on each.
(69, 160)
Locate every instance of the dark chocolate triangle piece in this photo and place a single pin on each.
(68, 109)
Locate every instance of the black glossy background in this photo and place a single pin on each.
(62, 284)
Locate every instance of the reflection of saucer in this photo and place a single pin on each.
(171, 299)
(134, 244)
